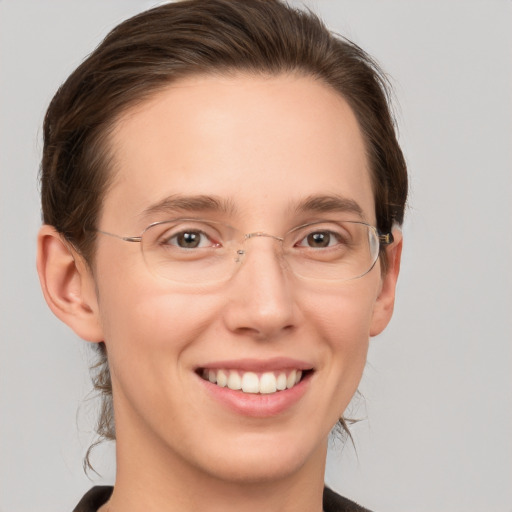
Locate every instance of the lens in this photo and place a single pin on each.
(188, 250)
(194, 251)
(332, 250)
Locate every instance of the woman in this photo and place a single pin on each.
(222, 190)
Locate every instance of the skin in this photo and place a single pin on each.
(262, 144)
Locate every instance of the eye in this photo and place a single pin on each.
(183, 235)
(320, 240)
(189, 239)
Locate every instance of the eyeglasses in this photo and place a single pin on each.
(199, 251)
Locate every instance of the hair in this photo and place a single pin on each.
(146, 53)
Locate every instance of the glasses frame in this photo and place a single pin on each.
(384, 239)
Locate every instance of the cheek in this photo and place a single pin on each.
(348, 343)
(149, 335)
(151, 318)
(341, 321)
(344, 314)
(148, 327)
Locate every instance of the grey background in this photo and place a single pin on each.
(438, 389)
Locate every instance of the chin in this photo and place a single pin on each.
(262, 458)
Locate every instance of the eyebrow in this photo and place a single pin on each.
(176, 204)
(329, 203)
(200, 203)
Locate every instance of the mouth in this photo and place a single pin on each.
(250, 382)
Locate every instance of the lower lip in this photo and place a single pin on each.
(255, 404)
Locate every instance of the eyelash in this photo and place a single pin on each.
(303, 241)
(331, 235)
(166, 240)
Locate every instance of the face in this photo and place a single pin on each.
(261, 147)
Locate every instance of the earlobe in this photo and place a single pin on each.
(383, 308)
(67, 285)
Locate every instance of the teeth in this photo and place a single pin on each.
(250, 382)
(222, 378)
(281, 381)
(290, 381)
(234, 381)
(268, 383)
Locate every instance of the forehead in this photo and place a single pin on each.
(259, 143)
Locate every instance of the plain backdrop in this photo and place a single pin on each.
(437, 414)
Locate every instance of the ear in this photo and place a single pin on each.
(68, 284)
(384, 305)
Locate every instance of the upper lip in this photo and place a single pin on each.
(259, 365)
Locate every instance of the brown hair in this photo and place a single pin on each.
(145, 53)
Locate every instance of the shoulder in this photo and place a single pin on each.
(94, 499)
(333, 502)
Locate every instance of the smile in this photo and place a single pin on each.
(252, 382)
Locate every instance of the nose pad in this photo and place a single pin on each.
(239, 256)
(240, 253)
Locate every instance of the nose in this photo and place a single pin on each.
(261, 301)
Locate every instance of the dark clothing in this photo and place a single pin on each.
(99, 495)
(94, 498)
(333, 502)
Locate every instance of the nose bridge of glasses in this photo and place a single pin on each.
(256, 234)
(263, 234)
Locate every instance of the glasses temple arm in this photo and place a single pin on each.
(125, 238)
(386, 239)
